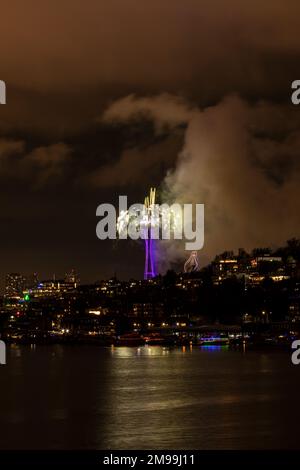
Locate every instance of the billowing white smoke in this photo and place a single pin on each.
(241, 161)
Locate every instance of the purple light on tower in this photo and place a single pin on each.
(149, 271)
(147, 226)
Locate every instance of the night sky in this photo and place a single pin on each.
(109, 98)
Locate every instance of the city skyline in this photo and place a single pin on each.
(290, 253)
(239, 295)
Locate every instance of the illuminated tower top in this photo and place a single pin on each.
(150, 200)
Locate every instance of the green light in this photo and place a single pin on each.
(27, 297)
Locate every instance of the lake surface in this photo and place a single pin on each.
(87, 397)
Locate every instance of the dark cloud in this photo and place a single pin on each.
(62, 61)
(40, 166)
(9, 147)
(139, 166)
(48, 162)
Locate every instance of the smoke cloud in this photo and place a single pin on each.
(240, 160)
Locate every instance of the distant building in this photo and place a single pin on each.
(99, 311)
(46, 288)
(72, 278)
(294, 304)
(52, 288)
(225, 266)
(147, 310)
(32, 281)
(269, 258)
(14, 285)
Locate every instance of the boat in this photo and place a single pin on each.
(213, 340)
(155, 339)
(130, 339)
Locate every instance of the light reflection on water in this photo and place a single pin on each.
(148, 397)
(123, 351)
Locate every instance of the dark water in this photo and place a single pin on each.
(127, 398)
